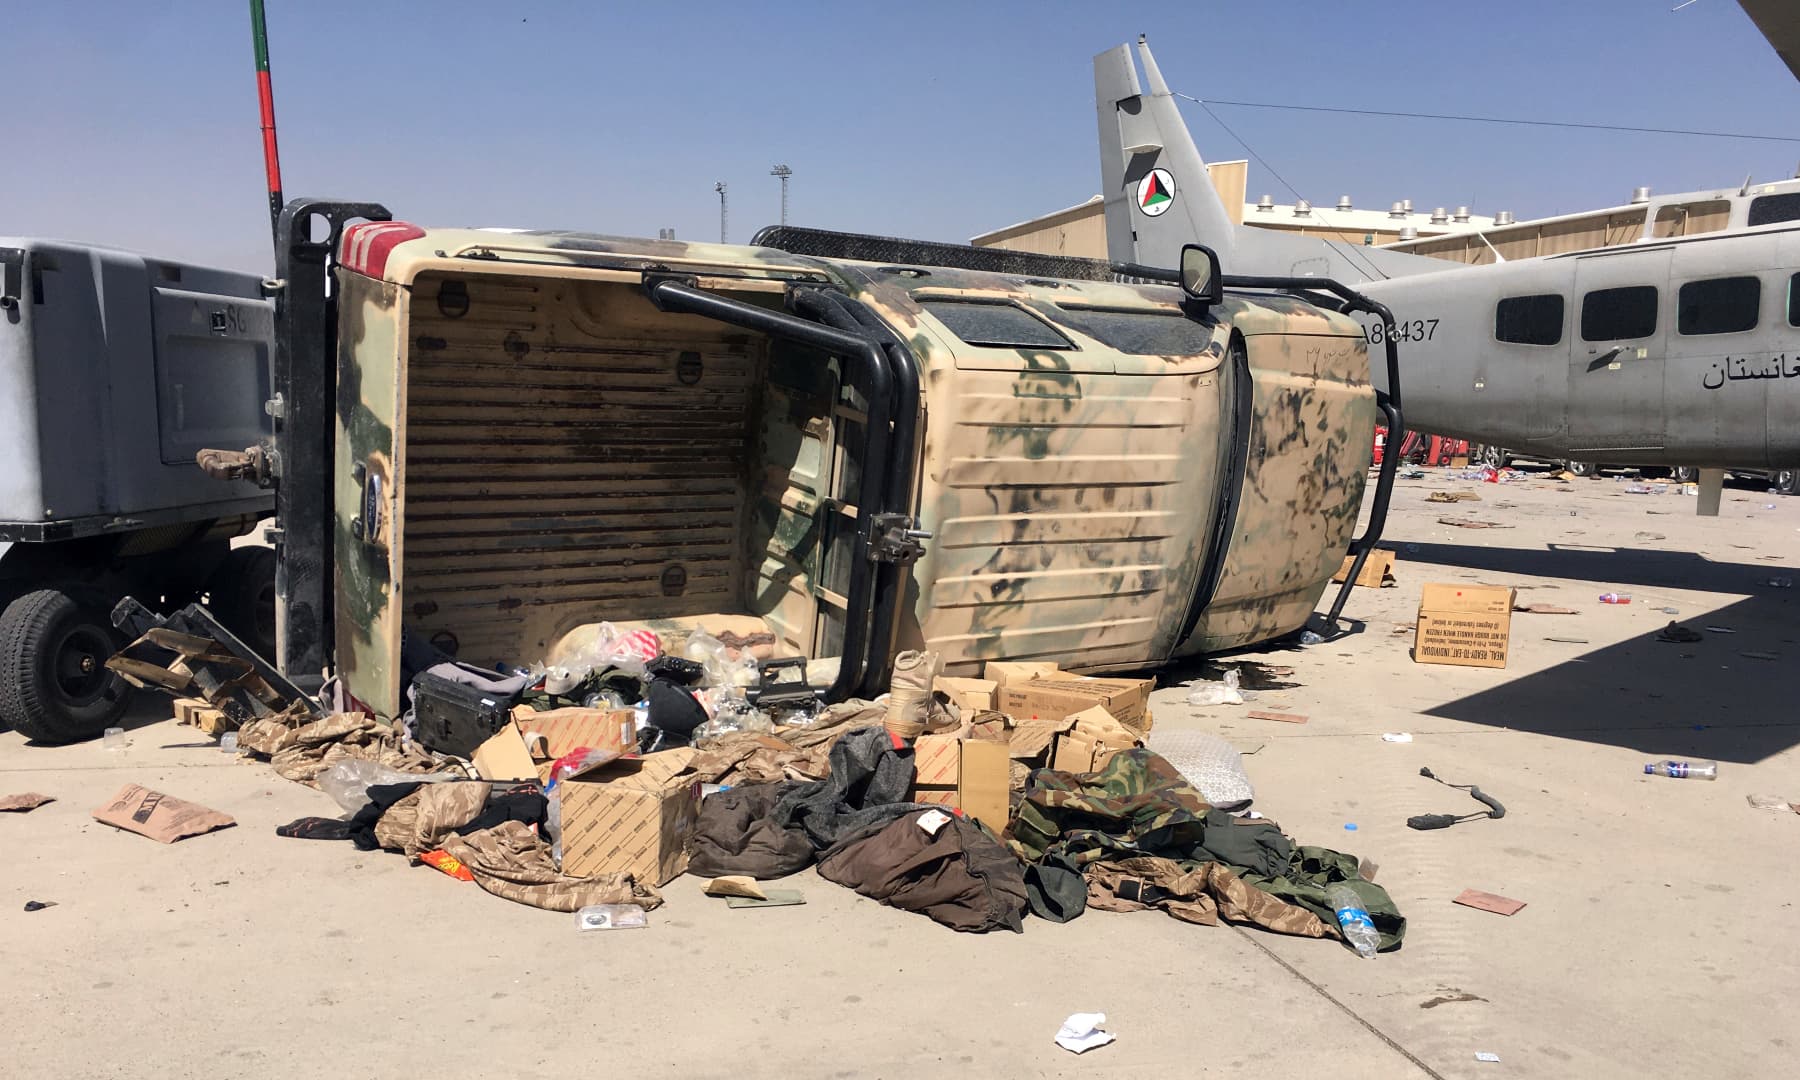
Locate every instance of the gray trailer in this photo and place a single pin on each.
(116, 369)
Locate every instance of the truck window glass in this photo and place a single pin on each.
(1718, 306)
(1529, 320)
(1141, 333)
(995, 326)
(1769, 209)
(1619, 314)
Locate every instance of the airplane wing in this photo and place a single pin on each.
(1779, 21)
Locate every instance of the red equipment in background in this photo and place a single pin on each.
(1418, 448)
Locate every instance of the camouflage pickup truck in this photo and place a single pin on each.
(851, 444)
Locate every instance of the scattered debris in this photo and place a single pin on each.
(1397, 736)
(160, 817)
(735, 885)
(25, 803)
(1721, 630)
(1404, 628)
(38, 905)
(1669, 610)
(1615, 598)
(1452, 497)
(1569, 640)
(113, 738)
(1377, 570)
(447, 863)
(771, 898)
(1675, 632)
(1472, 523)
(1219, 693)
(1780, 583)
(1081, 1033)
(1309, 637)
(1483, 1055)
(1760, 655)
(1487, 901)
(1545, 609)
(1651, 536)
(611, 917)
(1283, 717)
(1770, 802)
(1444, 821)
(1464, 625)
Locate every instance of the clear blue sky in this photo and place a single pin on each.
(135, 123)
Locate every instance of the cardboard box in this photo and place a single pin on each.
(970, 695)
(631, 816)
(1463, 625)
(1054, 697)
(1094, 736)
(1377, 571)
(970, 775)
(1034, 739)
(526, 748)
(1004, 672)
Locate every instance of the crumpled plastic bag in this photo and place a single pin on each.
(1211, 764)
(1219, 693)
(348, 781)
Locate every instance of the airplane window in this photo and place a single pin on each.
(1141, 333)
(995, 326)
(1618, 314)
(1529, 320)
(1794, 300)
(1718, 306)
(1769, 209)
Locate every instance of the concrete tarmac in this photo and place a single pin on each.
(1658, 938)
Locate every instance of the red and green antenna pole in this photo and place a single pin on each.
(265, 91)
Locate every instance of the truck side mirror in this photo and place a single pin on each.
(1200, 276)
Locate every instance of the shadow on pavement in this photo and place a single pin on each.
(1702, 699)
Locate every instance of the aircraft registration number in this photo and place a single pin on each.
(1416, 330)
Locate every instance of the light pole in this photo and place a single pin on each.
(783, 172)
(720, 188)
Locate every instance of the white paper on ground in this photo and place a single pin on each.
(1397, 736)
(1081, 1032)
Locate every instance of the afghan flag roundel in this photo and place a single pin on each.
(1156, 192)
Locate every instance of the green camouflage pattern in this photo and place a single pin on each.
(1138, 806)
(1073, 493)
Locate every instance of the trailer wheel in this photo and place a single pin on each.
(54, 683)
(242, 597)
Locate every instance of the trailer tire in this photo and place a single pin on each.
(242, 597)
(54, 683)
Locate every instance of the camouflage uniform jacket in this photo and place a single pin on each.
(1139, 807)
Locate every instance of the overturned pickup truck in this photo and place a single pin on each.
(853, 445)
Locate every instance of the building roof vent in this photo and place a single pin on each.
(1440, 217)
(1409, 233)
(1398, 210)
(1504, 217)
(1265, 204)
(1640, 195)
(1406, 205)
(1344, 203)
(1303, 209)
(1461, 215)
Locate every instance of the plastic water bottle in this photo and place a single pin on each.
(1683, 770)
(1354, 919)
(1615, 598)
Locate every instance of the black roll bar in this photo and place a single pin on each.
(673, 294)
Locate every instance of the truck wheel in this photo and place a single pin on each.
(54, 683)
(242, 597)
(1585, 468)
(1495, 456)
(1787, 481)
(1685, 474)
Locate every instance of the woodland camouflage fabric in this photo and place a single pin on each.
(1138, 818)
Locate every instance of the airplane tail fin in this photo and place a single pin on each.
(1154, 183)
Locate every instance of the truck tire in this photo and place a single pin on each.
(1585, 468)
(1685, 474)
(1787, 481)
(242, 596)
(1495, 456)
(54, 684)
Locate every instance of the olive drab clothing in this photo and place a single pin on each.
(1136, 834)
